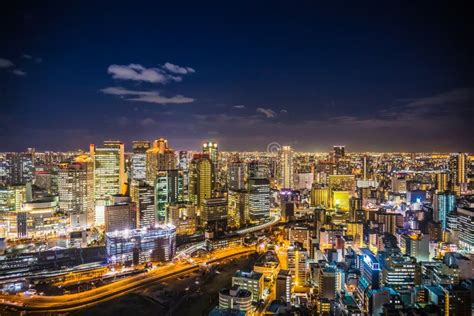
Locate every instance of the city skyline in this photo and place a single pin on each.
(245, 76)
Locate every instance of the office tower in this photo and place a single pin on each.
(138, 160)
(258, 170)
(137, 246)
(300, 234)
(465, 227)
(237, 208)
(356, 230)
(370, 269)
(183, 160)
(320, 196)
(286, 167)
(204, 183)
(214, 214)
(251, 281)
(12, 198)
(441, 182)
(183, 217)
(20, 168)
(400, 272)
(365, 168)
(339, 152)
(458, 301)
(443, 204)
(211, 150)
(288, 204)
(283, 286)
(235, 298)
(121, 215)
(259, 199)
(76, 189)
(109, 169)
(415, 245)
(159, 158)
(237, 176)
(457, 172)
(328, 283)
(143, 195)
(390, 221)
(168, 190)
(296, 262)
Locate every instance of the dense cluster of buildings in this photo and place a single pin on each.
(363, 233)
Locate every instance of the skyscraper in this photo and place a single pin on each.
(457, 170)
(138, 160)
(339, 152)
(441, 181)
(286, 167)
(109, 169)
(237, 208)
(443, 204)
(143, 195)
(76, 189)
(237, 176)
(259, 199)
(20, 168)
(121, 215)
(159, 158)
(168, 190)
(200, 179)
(212, 151)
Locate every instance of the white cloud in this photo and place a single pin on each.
(239, 106)
(147, 122)
(137, 72)
(178, 69)
(269, 113)
(283, 111)
(26, 56)
(5, 63)
(19, 72)
(147, 96)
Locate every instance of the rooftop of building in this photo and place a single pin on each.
(248, 274)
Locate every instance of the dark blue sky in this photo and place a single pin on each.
(371, 76)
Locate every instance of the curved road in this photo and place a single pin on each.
(71, 302)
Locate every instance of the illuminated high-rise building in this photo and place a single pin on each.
(212, 151)
(237, 208)
(76, 189)
(168, 190)
(441, 181)
(259, 199)
(159, 158)
(138, 160)
(286, 167)
(143, 195)
(200, 179)
(214, 214)
(183, 162)
(12, 198)
(183, 217)
(339, 152)
(443, 204)
(296, 262)
(237, 176)
(457, 172)
(121, 215)
(20, 168)
(109, 169)
(258, 170)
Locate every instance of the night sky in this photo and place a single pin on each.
(372, 76)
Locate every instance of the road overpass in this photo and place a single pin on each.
(71, 302)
